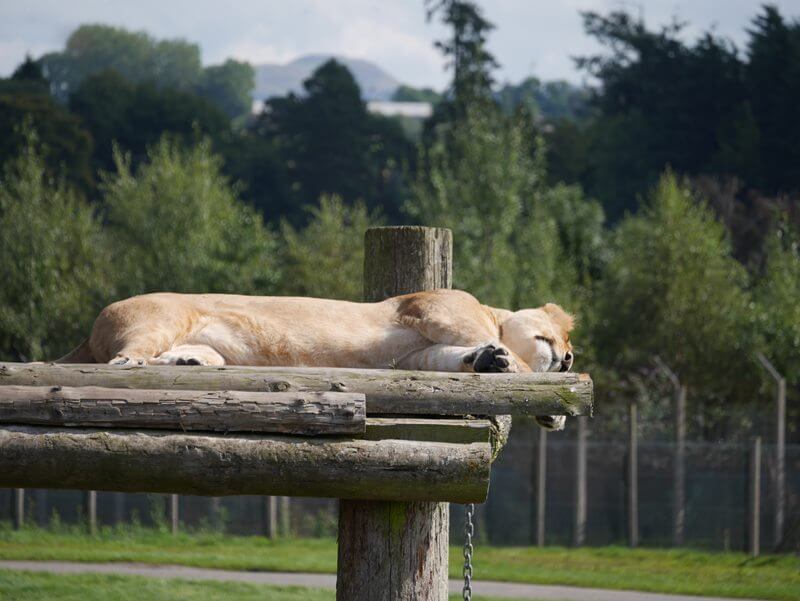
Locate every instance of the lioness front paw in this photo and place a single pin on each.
(551, 422)
(490, 358)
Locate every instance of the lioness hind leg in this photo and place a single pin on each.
(189, 354)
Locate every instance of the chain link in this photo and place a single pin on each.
(469, 530)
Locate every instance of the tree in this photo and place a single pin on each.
(472, 64)
(332, 145)
(178, 225)
(228, 86)
(326, 258)
(779, 311)
(52, 259)
(136, 115)
(69, 146)
(136, 56)
(671, 288)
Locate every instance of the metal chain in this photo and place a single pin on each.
(469, 530)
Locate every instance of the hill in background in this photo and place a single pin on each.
(279, 80)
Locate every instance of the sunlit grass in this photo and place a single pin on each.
(655, 570)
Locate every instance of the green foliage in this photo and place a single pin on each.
(332, 145)
(552, 100)
(136, 56)
(178, 225)
(52, 260)
(481, 182)
(136, 115)
(228, 86)
(778, 294)
(326, 258)
(672, 289)
(410, 94)
(69, 146)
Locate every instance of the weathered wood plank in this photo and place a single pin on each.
(238, 464)
(388, 391)
(307, 413)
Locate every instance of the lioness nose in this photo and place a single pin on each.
(566, 364)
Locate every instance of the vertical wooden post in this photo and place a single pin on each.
(755, 498)
(91, 511)
(580, 484)
(174, 513)
(780, 461)
(780, 446)
(42, 516)
(215, 513)
(397, 551)
(270, 517)
(119, 507)
(679, 468)
(285, 517)
(541, 483)
(633, 476)
(18, 507)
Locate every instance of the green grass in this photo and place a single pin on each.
(31, 586)
(665, 571)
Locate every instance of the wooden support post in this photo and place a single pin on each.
(633, 476)
(780, 461)
(215, 513)
(90, 499)
(541, 490)
(397, 551)
(40, 499)
(284, 516)
(580, 484)
(119, 507)
(18, 507)
(270, 517)
(754, 514)
(780, 446)
(174, 513)
(679, 468)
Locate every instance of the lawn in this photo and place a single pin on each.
(666, 571)
(30, 586)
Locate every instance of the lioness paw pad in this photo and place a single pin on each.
(490, 358)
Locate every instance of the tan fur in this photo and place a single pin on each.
(429, 330)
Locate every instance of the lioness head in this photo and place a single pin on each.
(540, 337)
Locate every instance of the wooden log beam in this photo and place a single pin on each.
(306, 413)
(387, 391)
(238, 464)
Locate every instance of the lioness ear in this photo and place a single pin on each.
(561, 317)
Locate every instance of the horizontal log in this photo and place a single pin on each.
(388, 391)
(238, 464)
(307, 413)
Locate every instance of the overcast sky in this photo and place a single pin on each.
(532, 37)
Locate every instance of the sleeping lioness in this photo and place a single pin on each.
(441, 330)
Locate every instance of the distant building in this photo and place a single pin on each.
(389, 108)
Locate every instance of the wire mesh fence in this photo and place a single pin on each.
(716, 508)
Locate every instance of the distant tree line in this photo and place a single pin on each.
(659, 209)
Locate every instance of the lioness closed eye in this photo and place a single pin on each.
(441, 330)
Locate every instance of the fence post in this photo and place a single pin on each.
(541, 484)
(270, 517)
(174, 513)
(755, 498)
(679, 469)
(780, 446)
(285, 517)
(580, 483)
(633, 476)
(397, 551)
(91, 511)
(18, 507)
